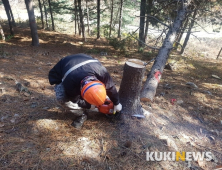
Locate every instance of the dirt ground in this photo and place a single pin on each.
(35, 133)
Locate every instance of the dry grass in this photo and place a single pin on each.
(36, 133)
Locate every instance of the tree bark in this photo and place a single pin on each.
(50, 9)
(75, 3)
(142, 21)
(153, 78)
(2, 33)
(87, 11)
(82, 27)
(46, 20)
(120, 18)
(32, 23)
(130, 87)
(111, 19)
(40, 8)
(148, 12)
(7, 10)
(13, 20)
(79, 28)
(98, 19)
(188, 33)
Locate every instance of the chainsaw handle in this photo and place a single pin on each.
(107, 107)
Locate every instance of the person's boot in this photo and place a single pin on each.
(79, 121)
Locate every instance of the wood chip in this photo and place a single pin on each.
(26, 94)
(154, 123)
(215, 76)
(201, 163)
(211, 137)
(219, 167)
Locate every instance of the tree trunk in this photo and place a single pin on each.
(130, 87)
(153, 78)
(120, 18)
(13, 20)
(79, 28)
(219, 53)
(98, 19)
(82, 27)
(40, 7)
(111, 19)
(148, 12)
(180, 35)
(87, 11)
(146, 29)
(50, 9)
(46, 20)
(75, 3)
(32, 23)
(188, 33)
(142, 20)
(7, 10)
(116, 18)
(2, 33)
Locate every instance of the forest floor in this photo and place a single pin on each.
(35, 133)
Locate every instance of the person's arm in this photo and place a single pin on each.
(113, 95)
(111, 91)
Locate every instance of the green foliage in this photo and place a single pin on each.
(9, 37)
(62, 7)
(150, 54)
(92, 51)
(115, 43)
(141, 50)
(217, 29)
(127, 18)
(105, 30)
(94, 31)
(129, 42)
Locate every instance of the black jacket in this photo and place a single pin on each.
(73, 80)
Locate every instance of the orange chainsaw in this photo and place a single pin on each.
(107, 107)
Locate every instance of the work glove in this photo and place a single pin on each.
(117, 108)
(72, 106)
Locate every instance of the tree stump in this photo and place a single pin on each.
(130, 87)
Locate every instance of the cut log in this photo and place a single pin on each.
(130, 87)
(153, 78)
